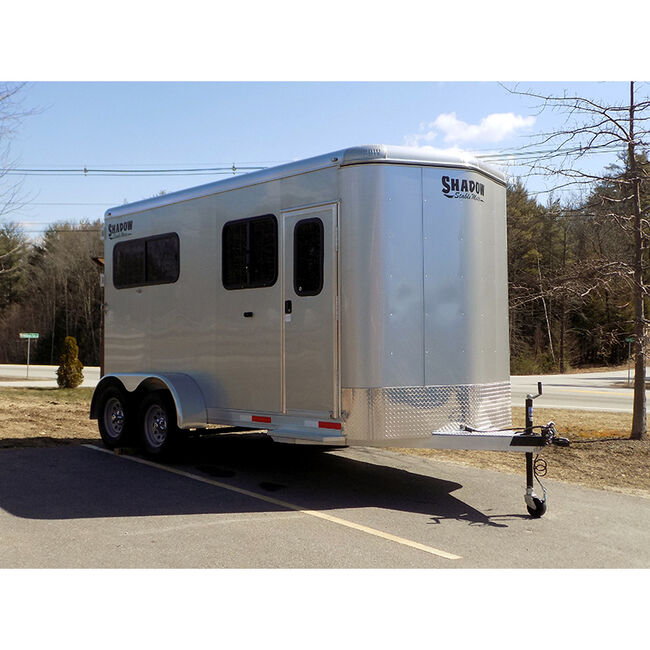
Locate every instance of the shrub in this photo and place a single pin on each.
(69, 373)
(533, 364)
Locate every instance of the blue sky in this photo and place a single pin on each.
(144, 125)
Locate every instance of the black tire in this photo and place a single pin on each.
(538, 510)
(159, 432)
(115, 418)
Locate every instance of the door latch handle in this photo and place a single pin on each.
(248, 314)
(287, 306)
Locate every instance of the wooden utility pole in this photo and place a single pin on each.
(563, 305)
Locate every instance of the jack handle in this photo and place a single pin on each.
(529, 408)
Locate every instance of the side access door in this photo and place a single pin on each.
(311, 327)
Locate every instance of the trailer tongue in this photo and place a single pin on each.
(526, 440)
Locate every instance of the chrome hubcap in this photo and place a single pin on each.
(155, 425)
(114, 417)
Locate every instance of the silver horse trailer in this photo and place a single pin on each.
(354, 298)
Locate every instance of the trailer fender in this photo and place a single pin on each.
(191, 411)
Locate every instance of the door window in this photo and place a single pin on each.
(308, 242)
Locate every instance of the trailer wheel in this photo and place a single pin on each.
(114, 421)
(538, 510)
(158, 427)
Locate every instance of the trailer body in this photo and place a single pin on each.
(354, 298)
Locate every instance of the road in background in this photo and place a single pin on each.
(40, 376)
(588, 391)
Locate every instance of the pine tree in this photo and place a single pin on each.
(69, 373)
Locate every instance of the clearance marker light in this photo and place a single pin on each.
(329, 425)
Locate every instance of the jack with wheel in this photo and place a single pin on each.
(536, 467)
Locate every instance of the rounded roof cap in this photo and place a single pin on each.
(417, 155)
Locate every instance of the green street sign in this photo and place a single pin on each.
(28, 335)
(630, 339)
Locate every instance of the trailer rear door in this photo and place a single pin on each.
(310, 327)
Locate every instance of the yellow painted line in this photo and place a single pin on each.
(290, 506)
(611, 391)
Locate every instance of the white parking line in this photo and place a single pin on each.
(290, 506)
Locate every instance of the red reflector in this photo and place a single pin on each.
(329, 425)
(260, 418)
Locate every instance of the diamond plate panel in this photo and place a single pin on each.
(376, 414)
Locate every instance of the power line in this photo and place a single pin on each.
(72, 222)
(44, 230)
(107, 203)
(89, 171)
(522, 156)
(160, 164)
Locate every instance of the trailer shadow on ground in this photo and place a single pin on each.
(75, 482)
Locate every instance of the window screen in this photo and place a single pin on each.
(150, 260)
(250, 253)
(308, 257)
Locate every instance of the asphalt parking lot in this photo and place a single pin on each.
(242, 501)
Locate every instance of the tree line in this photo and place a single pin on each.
(571, 281)
(50, 286)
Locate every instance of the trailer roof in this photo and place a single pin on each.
(364, 154)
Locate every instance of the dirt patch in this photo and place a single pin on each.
(601, 454)
(42, 417)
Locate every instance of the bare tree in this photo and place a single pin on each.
(592, 126)
(11, 113)
(13, 253)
